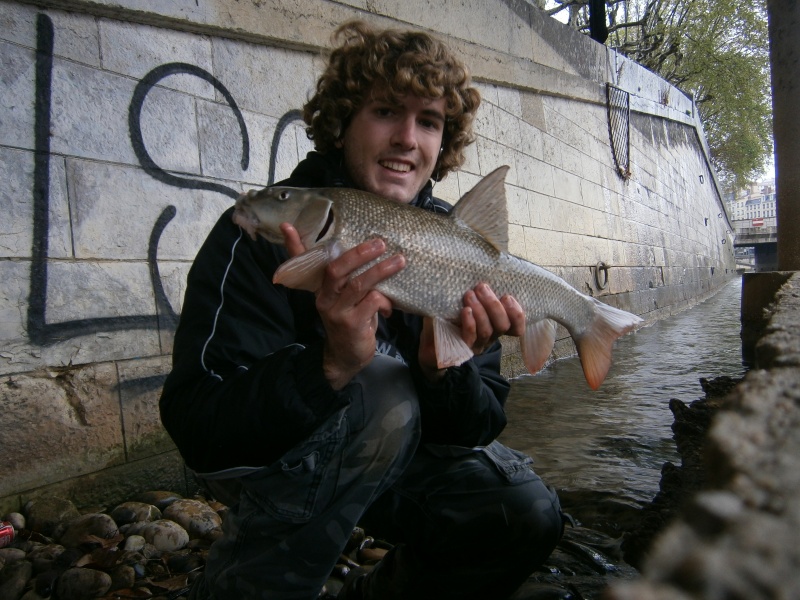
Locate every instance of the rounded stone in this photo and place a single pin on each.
(165, 535)
(46, 552)
(79, 584)
(196, 517)
(50, 515)
(134, 512)
(159, 499)
(16, 519)
(84, 528)
(134, 543)
(15, 577)
(122, 577)
(12, 555)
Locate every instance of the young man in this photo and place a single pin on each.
(329, 409)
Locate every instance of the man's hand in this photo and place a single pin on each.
(483, 319)
(349, 306)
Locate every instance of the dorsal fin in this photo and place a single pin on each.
(484, 209)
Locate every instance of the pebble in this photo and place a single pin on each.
(132, 549)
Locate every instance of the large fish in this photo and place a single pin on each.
(446, 255)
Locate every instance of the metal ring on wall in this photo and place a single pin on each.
(601, 266)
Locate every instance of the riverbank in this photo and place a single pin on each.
(155, 544)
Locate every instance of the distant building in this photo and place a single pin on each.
(757, 201)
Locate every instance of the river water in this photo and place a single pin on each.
(610, 444)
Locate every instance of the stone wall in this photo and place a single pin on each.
(128, 126)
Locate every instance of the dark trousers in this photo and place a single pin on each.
(468, 523)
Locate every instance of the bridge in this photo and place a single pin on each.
(761, 235)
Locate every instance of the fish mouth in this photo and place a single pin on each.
(396, 166)
(246, 219)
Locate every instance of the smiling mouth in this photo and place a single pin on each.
(395, 166)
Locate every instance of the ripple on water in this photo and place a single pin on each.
(616, 439)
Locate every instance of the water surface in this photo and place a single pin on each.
(612, 443)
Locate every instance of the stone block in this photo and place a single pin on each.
(493, 155)
(79, 290)
(448, 189)
(106, 488)
(168, 122)
(140, 384)
(517, 202)
(13, 312)
(531, 142)
(17, 72)
(18, 24)
(16, 203)
(516, 240)
(82, 95)
(485, 123)
(567, 186)
(269, 81)
(510, 100)
(508, 129)
(535, 175)
(135, 49)
(65, 423)
(221, 145)
(118, 223)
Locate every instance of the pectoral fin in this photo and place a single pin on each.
(305, 271)
(451, 349)
(537, 344)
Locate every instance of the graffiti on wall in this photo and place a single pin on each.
(40, 332)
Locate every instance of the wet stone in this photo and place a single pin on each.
(12, 555)
(50, 515)
(13, 579)
(45, 583)
(196, 517)
(80, 584)
(166, 535)
(133, 512)
(46, 552)
(160, 499)
(16, 519)
(122, 577)
(88, 529)
(134, 543)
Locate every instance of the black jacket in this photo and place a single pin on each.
(247, 382)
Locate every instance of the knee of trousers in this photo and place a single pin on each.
(533, 520)
(389, 413)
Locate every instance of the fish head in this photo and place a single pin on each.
(261, 212)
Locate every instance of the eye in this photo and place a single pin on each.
(284, 196)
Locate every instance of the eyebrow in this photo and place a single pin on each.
(434, 114)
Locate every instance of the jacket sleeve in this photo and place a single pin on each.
(466, 407)
(247, 381)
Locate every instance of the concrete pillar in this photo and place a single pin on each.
(784, 38)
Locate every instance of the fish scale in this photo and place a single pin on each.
(446, 255)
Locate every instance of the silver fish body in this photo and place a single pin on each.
(446, 255)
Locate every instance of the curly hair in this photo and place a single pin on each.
(394, 63)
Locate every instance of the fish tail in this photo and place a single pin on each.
(594, 345)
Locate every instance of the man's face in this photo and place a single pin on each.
(391, 149)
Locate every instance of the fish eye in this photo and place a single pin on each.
(283, 196)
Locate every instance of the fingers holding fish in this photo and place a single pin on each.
(349, 305)
(292, 240)
(486, 317)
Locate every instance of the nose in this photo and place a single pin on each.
(404, 134)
